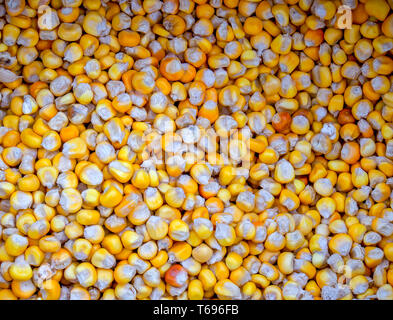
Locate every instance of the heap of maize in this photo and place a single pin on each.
(196, 149)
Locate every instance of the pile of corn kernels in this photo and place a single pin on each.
(196, 149)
